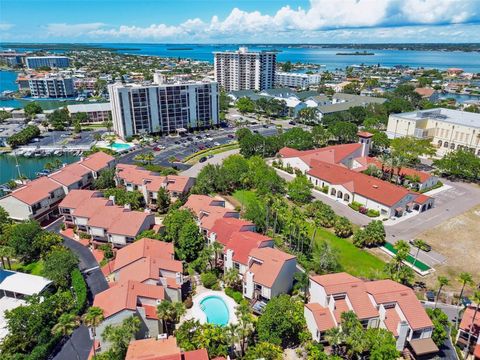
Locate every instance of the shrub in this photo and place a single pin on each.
(289, 169)
(373, 213)
(107, 251)
(23, 136)
(325, 189)
(355, 205)
(80, 290)
(363, 210)
(63, 226)
(83, 235)
(209, 280)
(234, 294)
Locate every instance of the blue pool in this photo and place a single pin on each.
(119, 146)
(216, 310)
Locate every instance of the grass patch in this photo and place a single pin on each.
(245, 197)
(34, 268)
(194, 158)
(410, 259)
(353, 260)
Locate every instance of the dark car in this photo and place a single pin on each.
(425, 246)
(231, 136)
(466, 301)
(189, 138)
(203, 159)
(265, 126)
(255, 131)
(430, 296)
(177, 142)
(292, 123)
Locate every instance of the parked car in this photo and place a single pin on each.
(426, 247)
(292, 123)
(466, 301)
(216, 144)
(265, 126)
(156, 148)
(203, 159)
(430, 296)
(255, 131)
(231, 136)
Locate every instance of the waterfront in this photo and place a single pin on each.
(28, 166)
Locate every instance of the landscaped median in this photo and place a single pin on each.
(420, 267)
(194, 158)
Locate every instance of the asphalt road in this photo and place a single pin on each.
(78, 346)
(58, 138)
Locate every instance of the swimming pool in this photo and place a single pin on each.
(216, 310)
(119, 146)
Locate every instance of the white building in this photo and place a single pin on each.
(34, 62)
(51, 86)
(165, 108)
(296, 80)
(448, 129)
(96, 112)
(245, 70)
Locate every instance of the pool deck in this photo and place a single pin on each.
(195, 312)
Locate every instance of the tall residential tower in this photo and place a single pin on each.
(166, 108)
(245, 70)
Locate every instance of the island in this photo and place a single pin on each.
(356, 53)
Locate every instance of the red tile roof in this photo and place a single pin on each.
(370, 187)
(164, 349)
(405, 171)
(97, 161)
(225, 227)
(323, 317)
(270, 263)
(425, 92)
(124, 296)
(141, 249)
(467, 318)
(75, 198)
(36, 190)
(242, 243)
(207, 211)
(331, 154)
(70, 174)
(149, 268)
(364, 134)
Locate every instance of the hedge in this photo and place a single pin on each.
(80, 289)
(373, 213)
(234, 294)
(23, 137)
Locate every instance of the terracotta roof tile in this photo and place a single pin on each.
(467, 318)
(242, 243)
(36, 190)
(97, 161)
(225, 227)
(271, 263)
(153, 349)
(323, 317)
(75, 198)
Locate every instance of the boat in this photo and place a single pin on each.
(57, 152)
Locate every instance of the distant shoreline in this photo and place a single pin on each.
(356, 53)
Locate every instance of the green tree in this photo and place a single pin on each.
(77, 126)
(190, 242)
(32, 108)
(92, 318)
(297, 138)
(174, 222)
(411, 148)
(192, 335)
(282, 322)
(66, 325)
(343, 227)
(325, 259)
(6, 252)
(170, 313)
(442, 281)
(245, 105)
(105, 180)
(100, 86)
(120, 336)
(59, 119)
(460, 164)
(224, 101)
(245, 326)
(264, 350)
(124, 197)
(381, 344)
(344, 132)
(299, 189)
(320, 136)
(372, 235)
(163, 200)
(20, 239)
(441, 325)
(396, 268)
(287, 67)
(58, 267)
(45, 241)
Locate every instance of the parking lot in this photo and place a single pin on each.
(65, 138)
(181, 147)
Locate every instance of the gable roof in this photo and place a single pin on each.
(141, 249)
(124, 296)
(162, 349)
(36, 190)
(97, 161)
(323, 317)
(149, 268)
(331, 154)
(76, 197)
(225, 227)
(70, 174)
(267, 264)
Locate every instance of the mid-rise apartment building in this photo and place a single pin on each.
(51, 86)
(35, 62)
(165, 108)
(448, 129)
(296, 80)
(245, 70)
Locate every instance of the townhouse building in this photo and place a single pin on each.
(102, 220)
(470, 328)
(135, 178)
(244, 69)
(38, 199)
(163, 108)
(381, 303)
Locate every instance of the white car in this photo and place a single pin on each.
(216, 144)
(209, 139)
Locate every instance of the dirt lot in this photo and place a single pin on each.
(458, 239)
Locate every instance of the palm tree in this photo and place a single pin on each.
(6, 252)
(65, 326)
(476, 298)
(165, 313)
(442, 281)
(335, 338)
(149, 157)
(466, 279)
(92, 318)
(420, 245)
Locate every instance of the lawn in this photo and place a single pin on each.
(353, 260)
(194, 158)
(410, 259)
(34, 268)
(245, 197)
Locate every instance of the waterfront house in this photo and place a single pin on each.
(382, 303)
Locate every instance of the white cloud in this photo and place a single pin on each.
(5, 26)
(321, 17)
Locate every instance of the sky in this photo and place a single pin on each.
(240, 21)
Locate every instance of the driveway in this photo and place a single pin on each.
(79, 344)
(214, 160)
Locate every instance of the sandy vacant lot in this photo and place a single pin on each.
(459, 240)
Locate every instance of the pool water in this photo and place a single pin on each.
(119, 146)
(216, 310)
